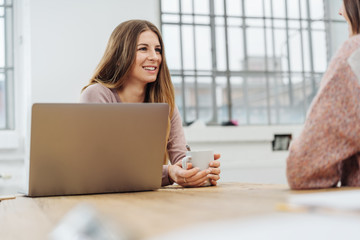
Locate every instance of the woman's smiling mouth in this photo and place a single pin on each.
(148, 68)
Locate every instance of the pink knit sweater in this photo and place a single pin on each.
(327, 151)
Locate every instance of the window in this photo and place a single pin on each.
(6, 65)
(251, 61)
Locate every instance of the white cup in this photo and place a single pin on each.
(199, 159)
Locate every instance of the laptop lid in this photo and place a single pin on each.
(96, 148)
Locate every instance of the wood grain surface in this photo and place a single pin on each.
(145, 214)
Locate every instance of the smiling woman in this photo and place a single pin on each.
(134, 69)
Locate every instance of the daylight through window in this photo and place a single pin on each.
(251, 61)
(6, 65)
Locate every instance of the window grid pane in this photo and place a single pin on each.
(6, 66)
(2, 101)
(262, 59)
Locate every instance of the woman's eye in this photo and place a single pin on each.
(142, 49)
(158, 50)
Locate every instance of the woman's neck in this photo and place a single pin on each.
(132, 93)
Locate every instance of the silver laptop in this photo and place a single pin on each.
(96, 148)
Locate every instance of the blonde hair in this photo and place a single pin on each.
(119, 56)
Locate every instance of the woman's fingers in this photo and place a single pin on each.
(197, 182)
(201, 178)
(201, 182)
(213, 182)
(214, 164)
(188, 166)
(215, 171)
(183, 176)
(188, 173)
(214, 177)
(198, 175)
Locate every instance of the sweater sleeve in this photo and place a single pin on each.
(331, 133)
(176, 146)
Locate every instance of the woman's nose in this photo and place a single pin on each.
(153, 55)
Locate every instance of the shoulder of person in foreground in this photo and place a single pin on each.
(348, 47)
(97, 93)
(330, 133)
(340, 59)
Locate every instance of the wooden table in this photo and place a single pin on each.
(147, 214)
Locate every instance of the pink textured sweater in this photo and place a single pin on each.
(176, 145)
(327, 151)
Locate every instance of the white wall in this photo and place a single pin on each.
(68, 39)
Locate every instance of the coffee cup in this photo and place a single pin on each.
(199, 159)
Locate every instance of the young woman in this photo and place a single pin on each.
(134, 70)
(327, 153)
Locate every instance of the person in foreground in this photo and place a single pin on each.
(134, 70)
(327, 152)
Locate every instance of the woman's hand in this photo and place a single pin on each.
(193, 177)
(190, 177)
(214, 176)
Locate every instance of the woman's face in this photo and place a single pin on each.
(342, 12)
(148, 58)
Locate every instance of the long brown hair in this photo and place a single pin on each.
(119, 56)
(352, 8)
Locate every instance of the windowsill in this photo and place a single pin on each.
(9, 140)
(238, 133)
